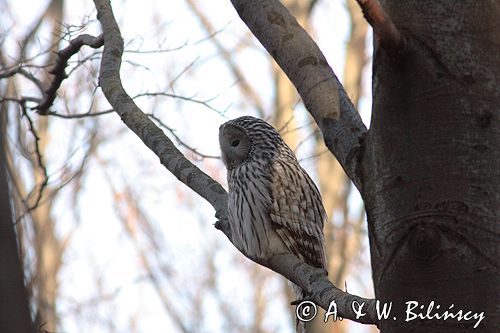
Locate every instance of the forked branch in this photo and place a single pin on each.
(59, 68)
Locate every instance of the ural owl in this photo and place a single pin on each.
(274, 207)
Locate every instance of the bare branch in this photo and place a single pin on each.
(205, 103)
(314, 280)
(59, 69)
(39, 164)
(91, 114)
(23, 72)
(385, 31)
(20, 100)
(179, 140)
(321, 290)
(140, 124)
(301, 59)
(79, 115)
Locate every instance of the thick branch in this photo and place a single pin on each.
(385, 31)
(314, 280)
(304, 64)
(59, 68)
(140, 124)
(320, 289)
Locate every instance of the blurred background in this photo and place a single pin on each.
(110, 241)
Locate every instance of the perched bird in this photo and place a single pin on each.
(274, 207)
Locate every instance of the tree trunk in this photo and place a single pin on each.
(14, 308)
(46, 241)
(432, 166)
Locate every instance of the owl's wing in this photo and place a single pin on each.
(297, 211)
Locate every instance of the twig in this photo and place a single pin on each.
(205, 103)
(40, 162)
(90, 114)
(179, 141)
(23, 72)
(59, 68)
(78, 115)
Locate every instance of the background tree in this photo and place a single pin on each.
(14, 307)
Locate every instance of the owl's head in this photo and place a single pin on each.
(246, 138)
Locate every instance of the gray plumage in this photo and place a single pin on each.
(274, 207)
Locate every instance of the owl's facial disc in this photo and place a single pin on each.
(234, 144)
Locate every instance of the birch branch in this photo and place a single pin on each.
(306, 67)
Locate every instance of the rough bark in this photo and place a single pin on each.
(432, 164)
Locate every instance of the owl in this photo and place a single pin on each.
(274, 207)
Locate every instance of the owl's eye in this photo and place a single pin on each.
(235, 143)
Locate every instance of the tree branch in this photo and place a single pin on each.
(313, 280)
(385, 31)
(304, 64)
(140, 124)
(59, 69)
(321, 290)
(23, 72)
